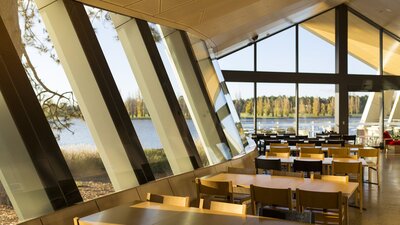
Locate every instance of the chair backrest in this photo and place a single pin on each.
(310, 150)
(347, 168)
(317, 142)
(214, 188)
(270, 197)
(324, 145)
(278, 145)
(368, 153)
(168, 200)
(309, 145)
(344, 156)
(278, 154)
(338, 151)
(307, 166)
(279, 149)
(335, 178)
(238, 170)
(321, 200)
(312, 156)
(353, 146)
(227, 207)
(267, 164)
(294, 142)
(286, 173)
(341, 142)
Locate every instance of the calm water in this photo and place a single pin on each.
(148, 135)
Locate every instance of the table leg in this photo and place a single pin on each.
(346, 210)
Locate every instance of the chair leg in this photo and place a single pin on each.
(369, 175)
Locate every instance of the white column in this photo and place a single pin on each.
(197, 105)
(88, 94)
(153, 94)
(17, 172)
(395, 111)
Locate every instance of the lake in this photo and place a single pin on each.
(148, 135)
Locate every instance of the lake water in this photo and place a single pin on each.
(148, 135)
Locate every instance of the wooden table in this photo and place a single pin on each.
(326, 161)
(296, 149)
(150, 213)
(244, 180)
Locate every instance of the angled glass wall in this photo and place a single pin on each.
(278, 52)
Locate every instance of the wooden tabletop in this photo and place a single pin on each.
(150, 213)
(347, 188)
(326, 161)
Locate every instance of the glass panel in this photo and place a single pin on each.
(317, 44)
(392, 113)
(363, 44)
(365, 117)
(276, 104)
(179, 92)
(243, 98)
(391, 56)
(316, 108)
(240, 60)
(278, 52)
(130, 93)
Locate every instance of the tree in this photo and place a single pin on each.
(316, 106)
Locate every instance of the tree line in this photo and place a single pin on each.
(285, 106)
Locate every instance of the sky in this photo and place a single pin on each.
(276, 53)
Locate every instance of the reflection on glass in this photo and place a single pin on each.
(316, 108)
(391, 56)
(363, 45)
(364, 117)
(132, 97)
(278, 52)
(392, 112)
(242, 95)
(317, 44)
(276, 108)
(240, 60)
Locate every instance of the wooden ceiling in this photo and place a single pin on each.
(228, 24)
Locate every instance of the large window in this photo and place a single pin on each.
(316, 108)
(276, 108)
(278, 52)
(391, 56)
(392, 112)
(240, 60)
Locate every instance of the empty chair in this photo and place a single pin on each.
(267, 164)
(224, 207)
(215, 190)
(279, 149)
(168, 200)
(277, 154)
(349, 138)
(278, 145)
(286, 173)
(354, 171)
(307, 166)
(340, 142)
(317, 142)
(320, 156)
(301, 136)
(271, 197)
(338, 151)
(371, 156)
(328, 207)
(353, 146)
(334, 136)
(335, 178)
(305, 145)
(238, 170)
(272, 141)
(310, 150)
(294, 142)
(324, 145)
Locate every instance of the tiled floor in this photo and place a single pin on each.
(383, 204)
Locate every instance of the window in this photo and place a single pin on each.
(391, 55)
(240, 60)
(278, 52)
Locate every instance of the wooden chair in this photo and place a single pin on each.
(223, 207)
(307, 166)
(168, 200)
(335, 178)
(237, 170)
(324, 145)
(328, 207)
(272, 197)
(279, 149)
(287, 173)
(220, 190)
(320, 156)
(278, 154)
(311, 150)
(278, 145)
(305, 145)
(371, 156)
(354, 171)
(267, 164)
(338, 151)
(353, 146)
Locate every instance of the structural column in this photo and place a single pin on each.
(342, 96)
(32, 168)
(152, 78)
(91, 80)
(195, 93)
